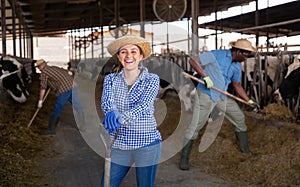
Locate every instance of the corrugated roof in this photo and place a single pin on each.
(49, 17)
(280, 20)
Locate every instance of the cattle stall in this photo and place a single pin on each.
(265, 72)
(262, 74)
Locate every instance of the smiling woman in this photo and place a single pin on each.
(130, 57)
(128, 105)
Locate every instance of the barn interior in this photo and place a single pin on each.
(24, 20)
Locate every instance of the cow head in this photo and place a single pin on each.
(277, 96)
(289, 88)
(12, 82)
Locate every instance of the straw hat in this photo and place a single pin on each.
(40, 62)
(244, 45)
(115, 45)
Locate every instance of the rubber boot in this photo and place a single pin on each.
(242, 141)
(53, 121)
(184, 161)
(81, 122)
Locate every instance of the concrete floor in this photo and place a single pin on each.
(73, 163)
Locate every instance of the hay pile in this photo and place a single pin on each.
(277, 149)
(21, 146)
(278, 111)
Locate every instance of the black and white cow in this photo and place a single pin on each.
(25, 65)
(288, 92)
(290, 85)
(267, 77)
(10, 72)
(271, 66)
(289, 88)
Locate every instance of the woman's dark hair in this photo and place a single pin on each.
(119, 67)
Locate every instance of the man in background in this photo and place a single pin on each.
(219, 68)
(61, 82)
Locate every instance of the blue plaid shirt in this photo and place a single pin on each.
(136, 105)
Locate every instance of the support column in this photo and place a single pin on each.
(101, 26)
(85, 43)
(92, 42)
(188, 36)
(14, 26)
(24, 43)
(256, 22)
(216, 24)
(117, 17)
(142, 18)
(20, 37)
(195, 40)
(3, 27)
(31, 46)
(70, 44)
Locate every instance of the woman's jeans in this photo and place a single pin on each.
(145, 161)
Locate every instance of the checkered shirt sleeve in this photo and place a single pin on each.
(57, 78)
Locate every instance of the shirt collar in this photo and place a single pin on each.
(228, 54)
(143, 75)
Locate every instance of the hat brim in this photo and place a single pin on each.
(115, 45)
(251, 49)
(40, 62)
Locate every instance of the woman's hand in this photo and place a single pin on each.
(112, 121)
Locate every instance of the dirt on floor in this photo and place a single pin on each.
(273, 137)
(22, 147)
